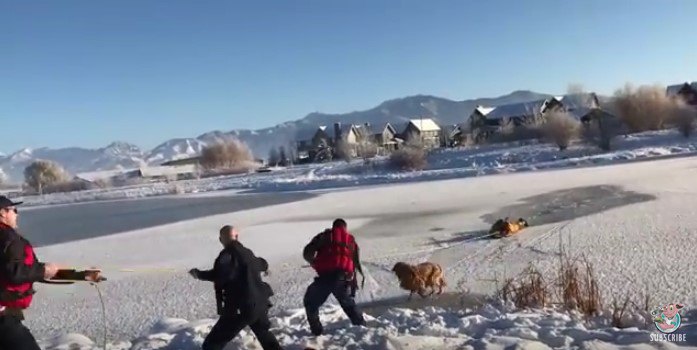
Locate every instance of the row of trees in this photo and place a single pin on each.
(278, 156)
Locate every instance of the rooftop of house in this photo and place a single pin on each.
(575, 103)
(154, 171)
(374, 129)
(308, 133)
(101, 175)
(425, 124)
(673, 90)
(514, 109)
(484, 110)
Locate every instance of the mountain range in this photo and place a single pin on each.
(124, 155)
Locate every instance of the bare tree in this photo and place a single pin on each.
(684, 118)
(42, 173)
(601, 129)
(228, 154)
(344, 151)
(274, 157)
(282, 156)
(644, 108)
(410, 158)
(367, 148)
(561, 128)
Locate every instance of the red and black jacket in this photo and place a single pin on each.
(333, 251)
(19, 269)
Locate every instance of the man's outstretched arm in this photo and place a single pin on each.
(311, 248)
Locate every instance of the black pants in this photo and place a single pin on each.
(318, 292)
(229, 326)
(15, 336)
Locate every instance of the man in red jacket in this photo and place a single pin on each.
(334, 255)
(19, 269)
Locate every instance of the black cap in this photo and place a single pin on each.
(6, 202)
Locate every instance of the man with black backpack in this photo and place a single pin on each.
(334, 255)
(242, 297)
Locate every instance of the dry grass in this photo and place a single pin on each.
(409, 158)
(230, 154)
(618, 312)
(578, 286)
(561, 128)
(575, 287)
(528, 290)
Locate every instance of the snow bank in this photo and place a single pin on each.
(443, 164)
(487, 327)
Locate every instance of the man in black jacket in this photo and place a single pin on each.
(241, 295)
(19, 269)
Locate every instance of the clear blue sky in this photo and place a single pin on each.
(85, 73)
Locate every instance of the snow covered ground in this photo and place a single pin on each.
(443, 164)
(634, 221)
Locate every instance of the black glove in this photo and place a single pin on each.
(195, 273)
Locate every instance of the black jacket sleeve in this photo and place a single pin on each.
(14, 268)
(262, 264)
(311, 248)
(206, 275)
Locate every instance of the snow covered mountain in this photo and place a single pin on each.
(74, 160)
(123, 155)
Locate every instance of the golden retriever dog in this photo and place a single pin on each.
(505, 227)
(418, 278)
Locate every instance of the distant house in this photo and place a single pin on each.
(384, 137)
(454, 135)
(579, 105)
(424, 131)
(489, 120)
(347, 138)
(105, 176)
(166, 173)
(184, 161)
(686, 91)
(312, 144)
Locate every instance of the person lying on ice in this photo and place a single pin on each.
(241, 295)
(19, 270)
(334, 256)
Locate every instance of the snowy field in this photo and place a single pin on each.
(443, 164)
(634, 221)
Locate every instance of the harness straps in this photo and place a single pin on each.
(7, 295)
